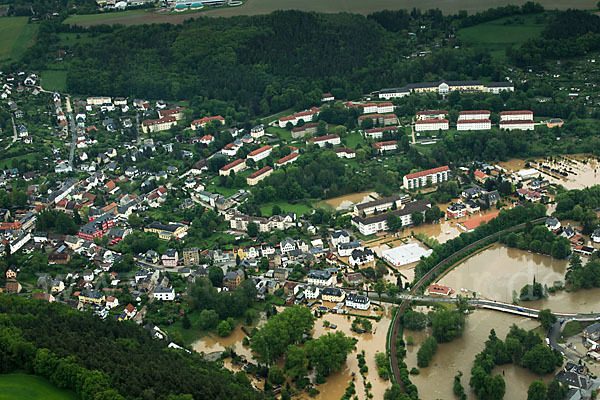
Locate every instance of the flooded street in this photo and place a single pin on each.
(460, 353)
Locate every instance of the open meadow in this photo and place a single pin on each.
(255, 7)
(495, 36)
(31, 387)
(15, 36)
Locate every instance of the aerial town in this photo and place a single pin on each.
(349, 244)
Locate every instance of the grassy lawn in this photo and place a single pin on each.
(79, 19)
(297, 208)
(189, 335)
(282, 133)
(6, 163)
(495, 36)
(54, 80)
(15, 36)
(31, 387)
(572, 328)
(353, 139)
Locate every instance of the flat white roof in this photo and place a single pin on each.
(527, 172)
(406, 254)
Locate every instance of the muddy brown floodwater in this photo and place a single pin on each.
(348, 201)
(499, 270)
(436, 381)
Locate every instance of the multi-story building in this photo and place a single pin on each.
(176, 112)
(259, 175)
(97, 227)
(260, 154)
(191, 256)
(170, 258)
(386, 146)
(361, 257)
(523, 115)
(377, 133)
(290, 158)
(258, 131)
(167, 231)
(339, 237)
(91, 296)
(233, 279)
(431, 125)
(378, 223)
(358, 301)
(380, 205)
(300, 131)
(321, 141)
(202, 122)
(345, 152)
(524, 125)
(320, 278)
(423, 178)
(475, 114)
(431, 115)
(497, 87)
(306, 116)
(333, 294)
(456, 210)
(235, 166)
(473, 125)
(163, 293)
(157, 125)
(98, 101)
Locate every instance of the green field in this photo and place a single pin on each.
(54, 80)
(15, 36)
(31, 387)
(298, 208)
(109, 18)
(353, 139)
(495, 36)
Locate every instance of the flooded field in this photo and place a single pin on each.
(460, 353)
(371, 343)
(348, 201)
(583, 170)
(337, 382)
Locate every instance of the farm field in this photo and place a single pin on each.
(495, 36)
(54, 80)
(31, 387)
(15, 35)
(255, 7)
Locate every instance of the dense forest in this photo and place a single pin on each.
(267, 63)
(98, 358)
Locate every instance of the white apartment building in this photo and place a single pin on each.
(473, 115)
(321, 141)
(422, 178)
(524, 115)
(260, 154)
(523, 125)
(431, 125)
(473, 125)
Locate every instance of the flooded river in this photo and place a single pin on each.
(499, 270)
(436, 381)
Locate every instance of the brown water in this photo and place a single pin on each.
(499, 270)
(436, 381)
(587, 174)
(348, 201)
(371, 343)
(211, 343)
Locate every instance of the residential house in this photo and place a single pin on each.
(320, 278)
(13, 287)
(164, 294)
(280, 274)
(333, 294)
(170, 258)
(92, 297)
(311, 292)
(358, 301)
(344, 249)
(233, 279)
(338, 237)
(361, 257)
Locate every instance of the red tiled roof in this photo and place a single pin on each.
(474, 112)
(475, 222)
(322, 138)
(386, 128)
(206, 138)
(206, 120)
(305, 127)
(258, 151)
(514, 122)
(287, 158)
(170, 111)
(158, 121)
(432, 112)
(379, 145)
(427, 172)
(370, 116)
(260, 172)
(439, 289)
(232, 164)
(473, 121)
(384, 104)
(480, 174)
(344, 150)
(432, 121)
(516, 112)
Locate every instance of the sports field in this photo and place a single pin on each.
(31, 387)
(254, 7)
(495, 36)
(15, 36)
